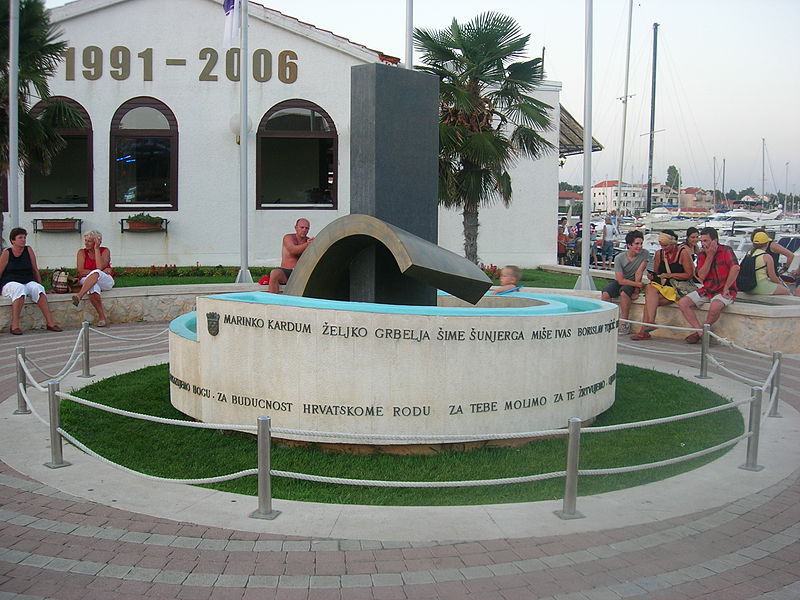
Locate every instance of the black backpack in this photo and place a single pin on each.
(746, 279)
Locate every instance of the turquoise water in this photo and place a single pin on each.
(554, 304)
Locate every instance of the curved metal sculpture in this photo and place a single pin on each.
(361, 258)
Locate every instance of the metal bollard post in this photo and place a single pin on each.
(704, 343)
(754, 429)
(57, 458)
(775, 388)
(571, 486)
(85, 362)
(22, 380)
(264, 473)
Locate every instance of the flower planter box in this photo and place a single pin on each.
(51, 225)
(139, 225)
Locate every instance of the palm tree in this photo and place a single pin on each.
(488, 118)
(40, 51)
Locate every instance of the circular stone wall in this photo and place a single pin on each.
(516, 363)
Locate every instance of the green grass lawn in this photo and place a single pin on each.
(181, 452)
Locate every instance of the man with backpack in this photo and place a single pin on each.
(717, 270)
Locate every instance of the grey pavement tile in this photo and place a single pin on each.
(324, 582)
(294, 581)
(36, 560)
(386, 579)
(602, 551)
(601, 594)
(61, 564)
(22, 520)
(478, 572)
(262, 581)
(160, 539)
(115, 571)
(531, 565)
(371, 545)
(200, 579)
(110, 534)
(557, 560)
(447, 575)
(135, 537)
(233, 581)
(186, 542)
(652, 584)
(87, 567)
(171, 577)
(87, 531)
(44, 524)
(267, 546)
(753, 553)
(628, 590)
(296, 546)
(142, 574)
(356, 581)
(350, 545)
(626, 546)
(240, 546)
(324, 545)
(696, 572)
(419, 577)
(504, 569)
(59, 527)
(580, 556)
(395, 545)
(209, 544)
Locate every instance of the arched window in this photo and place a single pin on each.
(144, 156)
(68, 186)
(296, 157)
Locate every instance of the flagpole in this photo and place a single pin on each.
(585, 281)
(244, 275)
(13, 115)
(409, 34)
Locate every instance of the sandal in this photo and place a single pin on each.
(75, 301)
(641, 336)
(693, 338)
(16, 331)
(100, 324)
(54, 328)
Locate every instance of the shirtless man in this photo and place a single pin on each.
(294, 244)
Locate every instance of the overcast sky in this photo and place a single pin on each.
(728, 76)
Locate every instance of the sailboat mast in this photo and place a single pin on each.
(652, 123)
(763, 179)
(625, 105)
(715, 182)
(723, 183)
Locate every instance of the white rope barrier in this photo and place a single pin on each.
(29, 376)
(200, 481)
(655, 326)
(662, 420)
(67, 366)
(667, 462)
(125, 339)
(775, 366)
(151, 418)
(732, 373)
(730, 344)
(418, 484)
(127, 348)
(30, 406)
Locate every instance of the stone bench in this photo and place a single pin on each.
(122, 305)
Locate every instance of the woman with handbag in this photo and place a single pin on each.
(19, 277)
(674, 278)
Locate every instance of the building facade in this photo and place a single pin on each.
(160, 97)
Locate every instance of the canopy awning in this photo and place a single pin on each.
(570, 139)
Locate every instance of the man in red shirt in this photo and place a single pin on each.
(717, 269)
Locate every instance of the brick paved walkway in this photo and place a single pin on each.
(53, 545)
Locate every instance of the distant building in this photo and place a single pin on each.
(695, 198)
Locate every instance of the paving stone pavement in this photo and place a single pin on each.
(54, 545)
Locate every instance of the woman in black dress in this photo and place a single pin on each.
(19, 277)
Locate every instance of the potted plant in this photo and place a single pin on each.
(144, 221)
(66, 224)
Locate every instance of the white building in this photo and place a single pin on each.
(160, 95)
(626, 199)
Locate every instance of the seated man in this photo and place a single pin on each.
(717, 269)
(629, 267)
(294, 244)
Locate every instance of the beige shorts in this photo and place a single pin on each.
(699, 300)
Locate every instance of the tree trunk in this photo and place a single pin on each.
(470, 220)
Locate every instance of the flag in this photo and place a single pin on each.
(232, 21)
